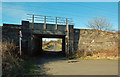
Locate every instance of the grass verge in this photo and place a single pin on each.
(92, 58)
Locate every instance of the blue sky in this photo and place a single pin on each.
(80, 12)
(59, 0)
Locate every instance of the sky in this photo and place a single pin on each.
(80, 12)
(59, 0)
(49, 39)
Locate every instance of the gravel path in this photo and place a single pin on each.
(53, 64)
(53, 48)
(61, 66)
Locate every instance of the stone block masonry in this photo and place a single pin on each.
(90, 40)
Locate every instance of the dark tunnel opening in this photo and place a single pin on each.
(55, 47)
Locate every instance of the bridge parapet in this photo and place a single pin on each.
(50, 29)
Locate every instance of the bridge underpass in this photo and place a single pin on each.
(37, 45)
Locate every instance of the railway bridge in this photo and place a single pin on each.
(39, 27)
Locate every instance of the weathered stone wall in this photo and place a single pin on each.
(92, 40)
(26, 39)
(71, 39)
(10, 33)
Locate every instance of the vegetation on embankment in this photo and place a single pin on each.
(89, 55)
(12, 64)
(96, 44)
(47, 47)
(60, 47)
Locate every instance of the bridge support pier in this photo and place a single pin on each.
(36, 45)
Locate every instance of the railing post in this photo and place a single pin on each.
(56, 25)
(31, 36)
(67, 24)
(67, 39)
(44, 23)
(32, 22)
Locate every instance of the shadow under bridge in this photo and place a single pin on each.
(37, 45)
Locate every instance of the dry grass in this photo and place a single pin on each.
(12, 63)
(10, 58)
(101, 54)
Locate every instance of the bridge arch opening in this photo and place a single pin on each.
(52, 44)
(40, 50)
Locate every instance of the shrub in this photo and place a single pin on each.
(10, 59)
(79, 53)
(101, 53)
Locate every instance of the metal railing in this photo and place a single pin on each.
(49, 19)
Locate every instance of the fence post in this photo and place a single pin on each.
(67, 39)
(44, 23)
(32, 22)
(56, 25)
